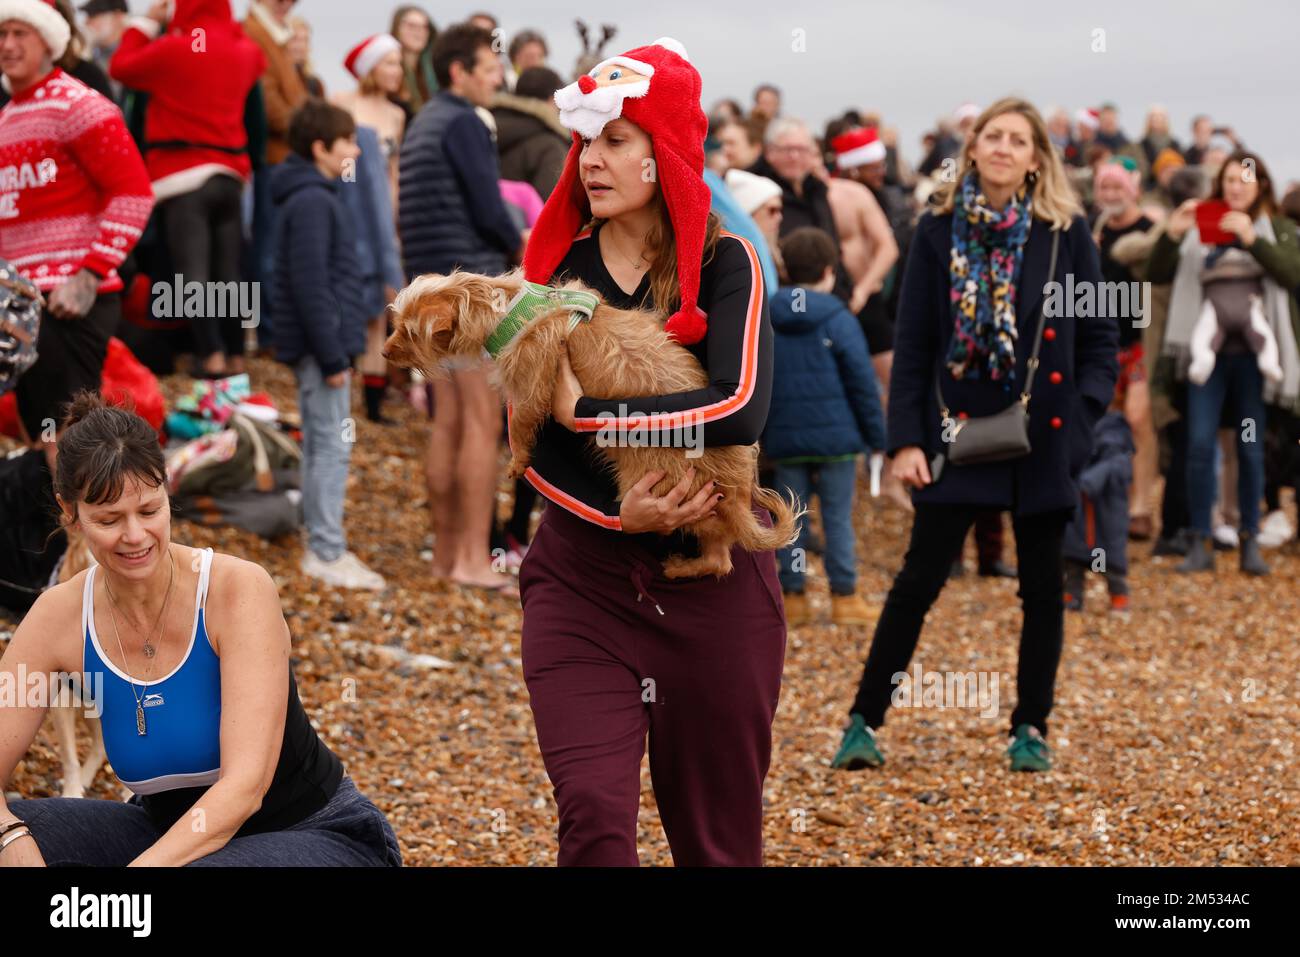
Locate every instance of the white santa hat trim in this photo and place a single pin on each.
(44, 18)
(668, 43)
(1086, 117)
(643, 68)
(366, 56)
(873, 152)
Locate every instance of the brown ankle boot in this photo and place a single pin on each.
(851, 610)
(797, 611)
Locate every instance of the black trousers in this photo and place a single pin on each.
(203, 233)
(937, 535)
(1175, 509)
(70, 357)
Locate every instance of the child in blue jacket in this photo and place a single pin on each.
(825, 412)
(320, 326)
(1097, 537)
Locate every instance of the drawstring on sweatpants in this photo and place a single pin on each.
(638, 579)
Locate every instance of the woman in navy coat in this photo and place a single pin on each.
(972, 296)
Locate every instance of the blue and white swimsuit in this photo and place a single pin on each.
(182, 748)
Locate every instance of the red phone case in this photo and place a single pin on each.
(1208, 214)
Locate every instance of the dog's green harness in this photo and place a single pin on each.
(533, 300)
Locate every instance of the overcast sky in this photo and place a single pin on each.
(914, 60)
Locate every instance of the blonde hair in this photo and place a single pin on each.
(1054, 200)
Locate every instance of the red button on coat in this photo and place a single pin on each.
(1049, 333)
(1056, 422)
(1056, 378)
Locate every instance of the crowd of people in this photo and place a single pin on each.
(845, 302)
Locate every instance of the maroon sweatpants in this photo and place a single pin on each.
(604, 667)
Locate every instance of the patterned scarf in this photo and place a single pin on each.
(987, 249)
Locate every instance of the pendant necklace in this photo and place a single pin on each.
(140, 727)
(149, 650)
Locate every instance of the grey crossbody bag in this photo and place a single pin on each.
(1003, 435)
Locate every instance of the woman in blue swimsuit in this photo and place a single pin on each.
(186, 654)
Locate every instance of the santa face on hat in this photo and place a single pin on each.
(593, 100)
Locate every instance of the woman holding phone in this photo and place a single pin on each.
(974, 289)
(1240, 257)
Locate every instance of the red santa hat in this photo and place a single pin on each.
(657, 88)
(41, 15)
(1088, 117)
(857, 147)
(365, 56)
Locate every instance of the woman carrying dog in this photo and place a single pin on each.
(974, 288)
(186, 652)
(612, 649)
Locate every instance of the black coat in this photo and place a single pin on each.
(532, 143)
(1081, 352)
(451, 214)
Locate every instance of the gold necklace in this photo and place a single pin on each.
(639, 263)
(140, 728)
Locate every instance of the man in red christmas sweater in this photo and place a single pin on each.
(74, 198)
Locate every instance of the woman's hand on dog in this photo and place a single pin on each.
(643, 511)
(567, 393)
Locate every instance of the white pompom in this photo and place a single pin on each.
(669, 43)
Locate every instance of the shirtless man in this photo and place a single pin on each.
(867, 245)
(868, 250)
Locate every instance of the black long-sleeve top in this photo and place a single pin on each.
(731, 410)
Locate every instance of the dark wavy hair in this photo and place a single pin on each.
(100, 447)
(1266, 201)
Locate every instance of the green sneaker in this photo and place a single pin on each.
(1029, 751)
(858, 748)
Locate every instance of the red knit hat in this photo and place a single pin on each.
(656, 88)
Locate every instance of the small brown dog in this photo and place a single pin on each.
(618, 352)
(78, 775)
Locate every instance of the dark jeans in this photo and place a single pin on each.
(349, 831)
(937, 535)
(262, 254)
(1175, 510)
(70, 357)
(203, 229)
(1237, 382)
(833, 483)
